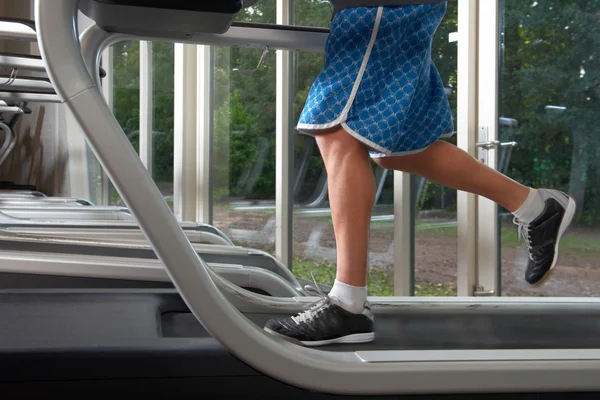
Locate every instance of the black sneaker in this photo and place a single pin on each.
(543, 234)
(324, 323)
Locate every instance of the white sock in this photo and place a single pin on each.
(532, 208)
(352, 298)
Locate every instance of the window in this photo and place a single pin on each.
(550, 92)
(436, 207)
(126, 107)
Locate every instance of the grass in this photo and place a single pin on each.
(381, 282)
(573, 241)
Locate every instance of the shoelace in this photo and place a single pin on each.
(525, 234)
(316, 308)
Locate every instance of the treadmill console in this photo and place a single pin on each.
(171, 19)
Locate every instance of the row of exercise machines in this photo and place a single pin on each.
(192, 328)
(44, 237)
(66, 243)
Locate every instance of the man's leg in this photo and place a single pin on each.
(543, 215)
(351, 197)
(344, 316)
(450, 166)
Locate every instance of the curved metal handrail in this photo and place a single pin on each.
(10, 140)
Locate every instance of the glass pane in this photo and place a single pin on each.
(126, 97)
(313, 13)
(314, 239)
(244, 140)
(244, 154)
(435, 221)
(163, 84)
(127, 107)
(550, 104)
(263, 11)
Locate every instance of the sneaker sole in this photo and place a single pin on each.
(564, 225)
(350, 339)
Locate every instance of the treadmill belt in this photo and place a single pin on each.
(457, 330)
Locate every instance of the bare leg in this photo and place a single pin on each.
(345, 316)
(352, 190)
(352, 197)
(450, 166)
(543, 215)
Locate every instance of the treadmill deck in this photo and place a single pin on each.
(73, 320)
(146, 341)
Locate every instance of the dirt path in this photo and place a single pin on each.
(576, 275)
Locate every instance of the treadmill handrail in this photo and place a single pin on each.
(7, 220)
(39, 237)
(17, 29)
(114, 236)
(333, 372)
(28, 84)
(10, 140)
(22, 61)
(29, 97)
(79, 208)
(132, 269)
(223, 250)
(43, 200)
(11, 110)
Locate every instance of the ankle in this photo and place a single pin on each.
(531, 208)
(351, 298)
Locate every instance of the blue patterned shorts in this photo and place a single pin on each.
(379, 81)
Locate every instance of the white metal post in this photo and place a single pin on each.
(404, 233)
(108, 89)
(146, 109)
(204, 132)
(184, 192)
(284, 145)
(488, 246)
(467, 138)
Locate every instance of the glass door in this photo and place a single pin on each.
(549, 86)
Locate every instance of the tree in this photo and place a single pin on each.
(551, 58)
(127, 100)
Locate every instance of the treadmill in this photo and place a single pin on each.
(25, 212)
(45, 201)
(34, 270)
(54, 256)
(133, 236)
(57, 213)
(98, 228)
(206, 337)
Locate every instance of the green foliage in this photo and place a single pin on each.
(551, 58)
(127, 100)
(380, 282)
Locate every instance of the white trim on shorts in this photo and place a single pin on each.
(388, 154)
(344, 116)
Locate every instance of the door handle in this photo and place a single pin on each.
(494, 144)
